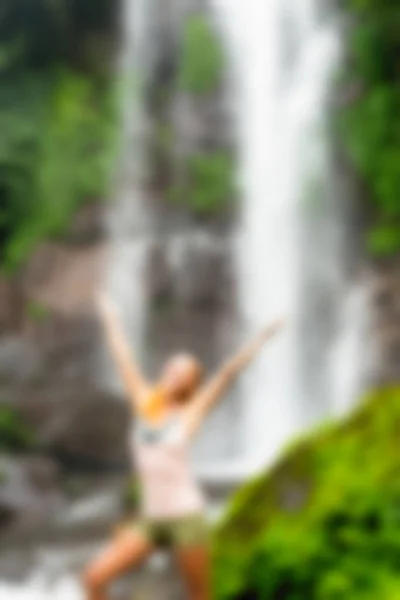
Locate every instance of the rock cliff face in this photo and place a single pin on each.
(386, 325)
(49, 348)
(50, 341)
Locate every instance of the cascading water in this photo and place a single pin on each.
(293, 235)
(127, 221)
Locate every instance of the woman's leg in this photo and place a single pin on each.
(129, 548)
(194, 563)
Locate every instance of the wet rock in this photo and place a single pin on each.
(200, 124)
(62, 278)
(10, 305)
(50, 366)
(29, 489)
(87, 227)
(53, 384)
(191, 294)
(385, 330)
(81, 425)
(19, 359)
(194, 269)
(91, 427)
(7, 513)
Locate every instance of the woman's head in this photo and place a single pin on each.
(180, 376)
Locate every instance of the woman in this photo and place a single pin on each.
(167, 416)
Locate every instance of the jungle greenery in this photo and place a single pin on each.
(14, 434)
(202, 60)
(57, 117)
(370, 123)
(324, 524)
(209, 183)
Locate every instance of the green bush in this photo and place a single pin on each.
(370, 124)
(14, 435)
(324, 524)
(56, 152)
(202, 61)
(37, 34)
(210, 183)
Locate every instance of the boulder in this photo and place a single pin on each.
(324, 521)
(29, 489)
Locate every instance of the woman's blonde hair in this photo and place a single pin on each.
(194, 367)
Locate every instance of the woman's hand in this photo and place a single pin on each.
(213, 390)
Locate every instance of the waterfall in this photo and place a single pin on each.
(294, 231)
(290, 250)
(291, 240)
(127, 220)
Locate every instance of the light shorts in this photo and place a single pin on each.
(191, 530)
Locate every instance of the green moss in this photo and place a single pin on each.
(324, 523)
(14, 434)
(202, 60)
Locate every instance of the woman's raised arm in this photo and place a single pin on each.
(135, 383)
(205, 399)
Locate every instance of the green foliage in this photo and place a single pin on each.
(202, 58)
(371, 128)
(37, 312)
(370, 125)
(37, 34)
(14, 435)
(324, 524)
(56, 116)
(210, 183)
(56, 152)
(384, 240)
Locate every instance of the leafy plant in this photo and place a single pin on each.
(370, 125)
(324, 524)
(56, 153)
(14, 434)
(210, 183)
(202, 57)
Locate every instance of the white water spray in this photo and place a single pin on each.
(282, 60)
(128, 219)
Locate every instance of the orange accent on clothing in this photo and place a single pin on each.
(154, 406)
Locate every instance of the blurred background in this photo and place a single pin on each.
(211, 165)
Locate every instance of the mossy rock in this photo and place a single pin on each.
(14, 433)
(210, 184)
(324, 523)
